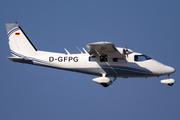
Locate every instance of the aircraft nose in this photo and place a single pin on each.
(169, 70)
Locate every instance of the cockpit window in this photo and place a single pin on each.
(141, 58)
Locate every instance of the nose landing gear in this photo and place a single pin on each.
(169, 81)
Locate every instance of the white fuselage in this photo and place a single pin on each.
(84, 63)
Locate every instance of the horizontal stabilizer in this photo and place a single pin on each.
(22, 60)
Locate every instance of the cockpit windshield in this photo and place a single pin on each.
(141, 58)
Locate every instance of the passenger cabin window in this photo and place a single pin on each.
(92, 59)
(141, 58)
(103, 59)
(115, 59)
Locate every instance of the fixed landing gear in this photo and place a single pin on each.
(170, 84)
(109, 83)
(169, 81)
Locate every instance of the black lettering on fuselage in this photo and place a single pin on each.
(70, 58)
(63, 59)
(75, 59)
(51, 59)
(60, 59)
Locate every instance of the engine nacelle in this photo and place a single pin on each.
(169, 81)
(104, 81)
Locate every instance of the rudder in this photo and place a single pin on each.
(19, 43)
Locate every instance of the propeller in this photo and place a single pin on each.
(126, 51)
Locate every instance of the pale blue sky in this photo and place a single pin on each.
(32, 93)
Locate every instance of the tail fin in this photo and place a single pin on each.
(19, 43)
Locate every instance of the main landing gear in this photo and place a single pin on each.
(104, 81)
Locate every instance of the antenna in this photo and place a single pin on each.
(85, 50)
(80, 50)
(66, 51)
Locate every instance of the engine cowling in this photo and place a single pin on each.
(169, 81)
(104, 81)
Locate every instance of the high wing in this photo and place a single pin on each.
(104, 49)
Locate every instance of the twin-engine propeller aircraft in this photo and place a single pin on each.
(103, 59)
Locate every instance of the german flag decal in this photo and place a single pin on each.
(17, 34)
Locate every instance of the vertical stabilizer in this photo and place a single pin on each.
(19, 43)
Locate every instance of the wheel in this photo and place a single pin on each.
(170, 84)
(104, 84)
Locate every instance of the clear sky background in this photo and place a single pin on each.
(37, 93)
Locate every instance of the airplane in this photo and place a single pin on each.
(103, 59)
